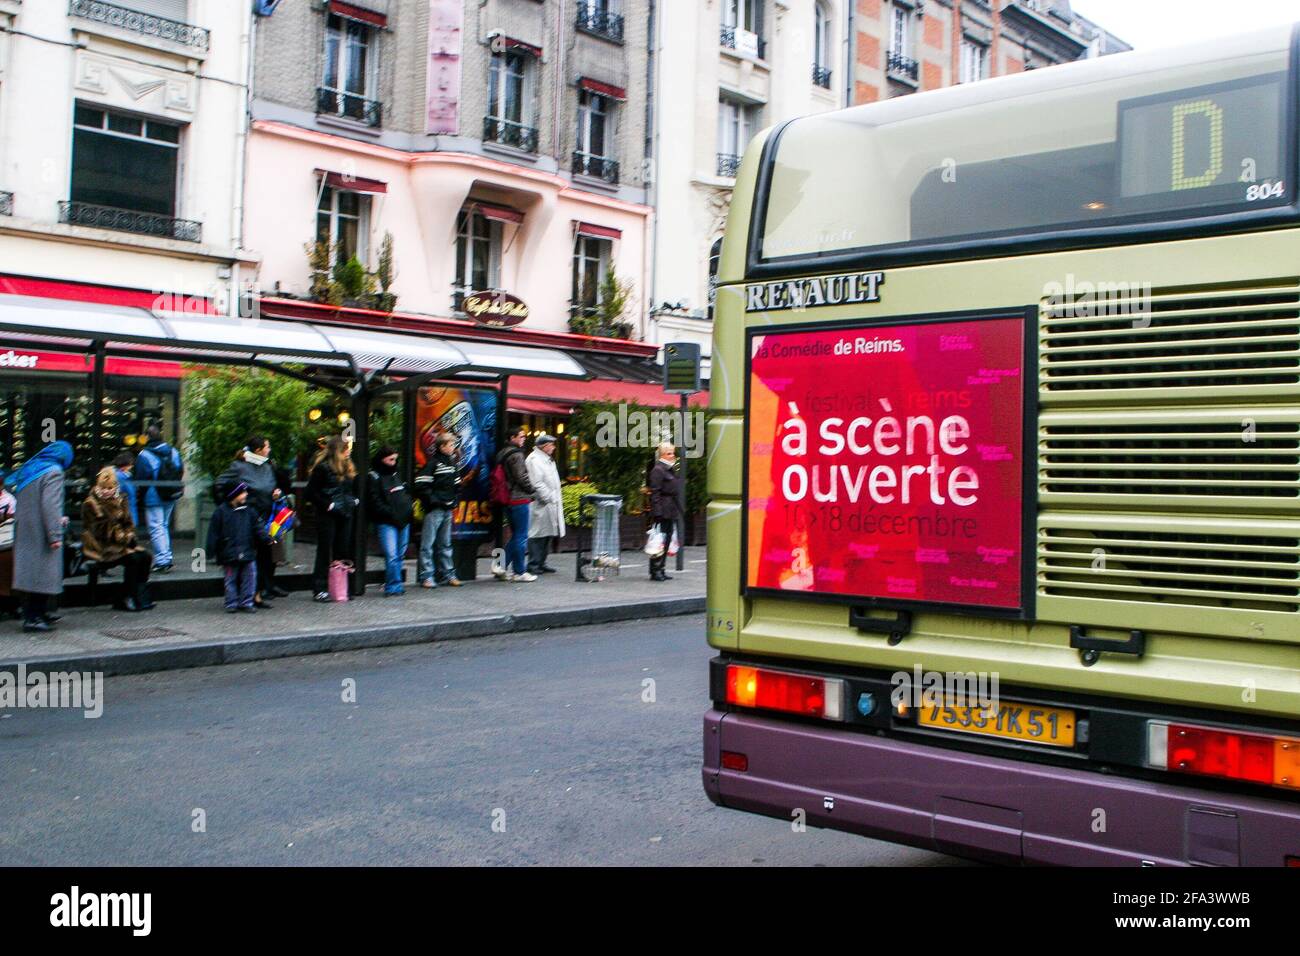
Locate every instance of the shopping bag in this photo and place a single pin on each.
(673, 546)
(282, 519)
(339, 571)
(654, 543)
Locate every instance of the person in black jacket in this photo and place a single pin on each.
(519, 495)
(267, 485)
(388, 504)
(233, 537)
(331, 488)
(665, 504)
(438, 488)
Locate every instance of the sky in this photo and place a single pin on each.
(1152, 23)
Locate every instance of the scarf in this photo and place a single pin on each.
(255, 459)
(56, 455)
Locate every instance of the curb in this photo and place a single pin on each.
(241, 650)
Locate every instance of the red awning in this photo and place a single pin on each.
(355, 12)
(602, 89)
(599, 232)
(597, 389)
(512, 44)
(532, 406)
(350, 183)
(498, 213)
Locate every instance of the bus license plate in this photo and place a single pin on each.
(1052, 726)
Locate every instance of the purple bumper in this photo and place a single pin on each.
(988, 808)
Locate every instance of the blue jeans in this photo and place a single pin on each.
(436, 536)
(158, 519)
(517, 546)
(394, 541)
(240, 582)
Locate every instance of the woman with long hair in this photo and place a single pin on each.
(331, 489)
(108, 538)
(38, 532)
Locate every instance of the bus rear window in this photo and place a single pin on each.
(1138, 137)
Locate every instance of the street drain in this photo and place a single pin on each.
(141, 633)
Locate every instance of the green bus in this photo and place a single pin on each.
(1010, 568)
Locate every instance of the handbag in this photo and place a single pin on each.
(74, 561)
(339, 571)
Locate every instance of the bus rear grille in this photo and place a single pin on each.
(1206, 569)
(1221, 455)
(1199, 338)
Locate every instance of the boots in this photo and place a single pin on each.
(142, 600)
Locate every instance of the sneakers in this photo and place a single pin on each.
(526, 576)
(500, 573)
(321, 597)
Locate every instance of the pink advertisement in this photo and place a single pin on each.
(887, 462)
(442, 86)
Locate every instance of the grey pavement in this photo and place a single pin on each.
(188, 633)
(549, 733)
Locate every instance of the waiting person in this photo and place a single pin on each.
(108, 538)
(389, 506)
(665, 504)
(438, 488)
(233, 538)
(546, 515)
(124, 464)
(8, 514)
(253, 466)
(159, 474)
(519, 495)
(38, 534)
(331, 488)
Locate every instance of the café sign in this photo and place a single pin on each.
(495, 309)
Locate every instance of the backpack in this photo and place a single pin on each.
(169, 476)
(499, 486)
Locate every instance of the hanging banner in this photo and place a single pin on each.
(442, 83)
(886, 463)
(471, 415)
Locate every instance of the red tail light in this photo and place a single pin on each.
(1293, 861)
(786, 692)
(1230, 754)
(734, 761)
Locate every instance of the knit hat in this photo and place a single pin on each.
(236, 491)
(543, 439)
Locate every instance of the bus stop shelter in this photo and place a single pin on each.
(357, 364)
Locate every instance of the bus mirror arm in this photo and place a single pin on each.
(896, 627)
(1091, 648)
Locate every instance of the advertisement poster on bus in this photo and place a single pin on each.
(886, 463)
(471, 415)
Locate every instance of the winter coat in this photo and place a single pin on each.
(665, 492)
(438, 483)
(325, 488)
(521, 486)
(147, 465)
(127, 487)
(261, 479)
(387, 500)
(38, 569)
(108, 533)
(546, 514)
(234, 533)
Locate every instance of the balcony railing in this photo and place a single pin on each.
(349, 106)
(600, 22)
(728, 39)
(6, 203)
(507, 133)
(821, 76)
(728, 163)
(899, 65)
(129, 220)
(145, 24)
(598, 167)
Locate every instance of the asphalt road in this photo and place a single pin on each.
(546, 735)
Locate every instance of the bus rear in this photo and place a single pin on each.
(1010, 565)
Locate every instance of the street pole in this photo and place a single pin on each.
(681, 522)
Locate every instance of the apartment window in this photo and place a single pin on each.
(343, 220)
(590, 263)
(124, 162)
(743, 14)
(821, 45)
(900, 36)
(593, 123)
(736, 122)
(351, 61)
(478, 254)
(974, 57)
(510, 100)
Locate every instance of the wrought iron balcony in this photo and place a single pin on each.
(899, 65)
(821, 76)
(507, 133)
(728, 163)
(602, 23)
(129, 220)
(6, 203)
(145, 24)
(598, 167)
(728, 39)
(349, 106)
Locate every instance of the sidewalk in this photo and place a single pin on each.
(199, 633)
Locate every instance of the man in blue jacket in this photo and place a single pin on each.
(159, 477)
